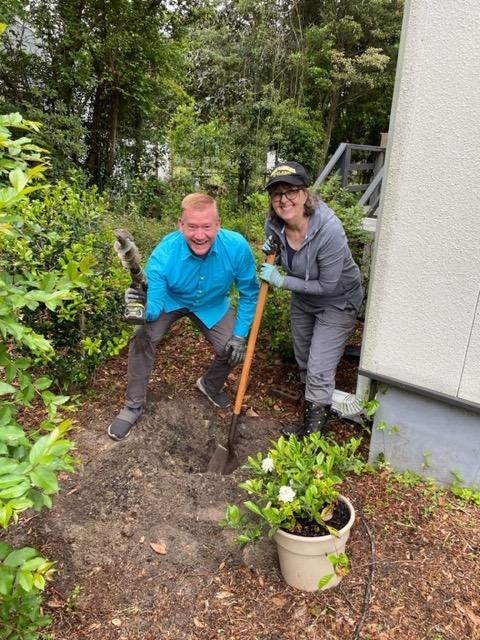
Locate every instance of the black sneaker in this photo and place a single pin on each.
(219, 398)
(123, 423)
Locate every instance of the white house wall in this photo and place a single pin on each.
(423, 318)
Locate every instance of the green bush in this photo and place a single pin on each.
(64, 234)
(30, 459)
(351, 214)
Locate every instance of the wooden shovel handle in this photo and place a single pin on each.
(252, 339)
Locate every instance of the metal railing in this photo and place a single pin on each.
(360, 168)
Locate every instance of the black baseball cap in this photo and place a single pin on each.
(290, 172)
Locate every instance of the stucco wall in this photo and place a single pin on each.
(423, 314)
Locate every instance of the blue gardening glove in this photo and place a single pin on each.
(271, 274)
(136, 296)
(236, 346)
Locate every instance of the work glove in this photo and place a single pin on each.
(136, 296)
(272, 275)
(236, 346)
(270, 246)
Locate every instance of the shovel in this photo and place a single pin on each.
(224, 460)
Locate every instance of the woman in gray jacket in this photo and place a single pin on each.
(323, 278)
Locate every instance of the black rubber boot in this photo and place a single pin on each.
(316, 416)
(314, 420)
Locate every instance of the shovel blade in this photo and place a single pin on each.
(223, 461)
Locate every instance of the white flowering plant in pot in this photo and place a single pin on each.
(295, 487)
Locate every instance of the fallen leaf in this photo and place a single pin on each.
(54, 604)
(159, 548)
(198, 623)
(469, 613)
(280, 602)
(94, 625)
(261, 581)
(224, 594)
(251, 413)
(222, 565)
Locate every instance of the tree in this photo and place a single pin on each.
(293, 77)
(108, 72)
(348, 61)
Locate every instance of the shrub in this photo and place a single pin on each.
(29, 459)
(64, 234)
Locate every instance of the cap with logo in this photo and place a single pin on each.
(290, 173)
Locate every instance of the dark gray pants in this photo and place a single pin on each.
(143, 345)
(319, 340)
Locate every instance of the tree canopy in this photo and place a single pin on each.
(218, 82)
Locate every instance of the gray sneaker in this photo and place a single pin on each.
(219, 398)
(123, 423)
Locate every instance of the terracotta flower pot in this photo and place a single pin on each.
(303, 560)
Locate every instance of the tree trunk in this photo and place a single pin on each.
(330, 118)
(94, 140)
(112, 134)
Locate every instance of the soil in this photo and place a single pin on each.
(140, 554)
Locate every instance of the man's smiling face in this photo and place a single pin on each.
(200, 228)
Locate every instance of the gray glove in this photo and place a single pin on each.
(135, 296)
(236, 346)
(270, 246)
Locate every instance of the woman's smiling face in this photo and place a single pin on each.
(288, 201)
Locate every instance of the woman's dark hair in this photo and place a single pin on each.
(309, 207)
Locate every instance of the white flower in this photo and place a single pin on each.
(286, 494)
(267, 465)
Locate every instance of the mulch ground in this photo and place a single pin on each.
(414, 547)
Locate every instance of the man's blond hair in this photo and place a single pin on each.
(198, 201)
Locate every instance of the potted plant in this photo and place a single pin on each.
(296, 500)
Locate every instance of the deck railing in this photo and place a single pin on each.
(360, 168)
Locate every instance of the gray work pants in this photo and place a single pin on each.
(319, 340)
(143, 345)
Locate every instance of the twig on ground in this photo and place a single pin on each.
(368, 586)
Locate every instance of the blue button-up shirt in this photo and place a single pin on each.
(178, 279)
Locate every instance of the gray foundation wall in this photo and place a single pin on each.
(426, 435)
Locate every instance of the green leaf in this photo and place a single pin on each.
(6, 388)
(40, 448)
(18, 557)
(42, 383)
(324, 581)
(253, 507)
(18, 179)
(6, 513)
(5, 415)
(6, 580)
(15, 491)
(38, 581)
(25, 580)
(33, 564)
(12, 435)
(45, 479)
(8, 465)
(72, 270)
(5, 549)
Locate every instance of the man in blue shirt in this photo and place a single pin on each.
(190, 273)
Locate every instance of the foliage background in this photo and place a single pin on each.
(201, 90)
